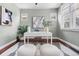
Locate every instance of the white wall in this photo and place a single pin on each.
(8, 33)
(40, 12)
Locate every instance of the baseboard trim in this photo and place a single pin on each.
(69, 46)
(2, 50)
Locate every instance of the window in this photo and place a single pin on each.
(70, 16)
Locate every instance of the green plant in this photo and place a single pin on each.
(46, 23)
(22, 30)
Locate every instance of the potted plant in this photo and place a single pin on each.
(21, 31)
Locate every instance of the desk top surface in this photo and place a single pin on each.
(37, 34)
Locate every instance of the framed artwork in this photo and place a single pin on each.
(5, 17)
(37, 22)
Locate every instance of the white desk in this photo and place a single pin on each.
(36, 34)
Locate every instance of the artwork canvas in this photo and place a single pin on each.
(6, 17)
(38, 22)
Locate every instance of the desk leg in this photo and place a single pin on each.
(47, 39)
(27, 39)
(51, 39)
(24, 40)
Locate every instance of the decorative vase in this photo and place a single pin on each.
(46, 29)
(29, 29)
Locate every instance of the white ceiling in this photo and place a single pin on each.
(38, 6)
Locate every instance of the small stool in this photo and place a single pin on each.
(50, 50)
(27, 50)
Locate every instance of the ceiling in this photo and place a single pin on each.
(38, 6)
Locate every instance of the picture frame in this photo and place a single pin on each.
(5, 16)
(37, 23)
